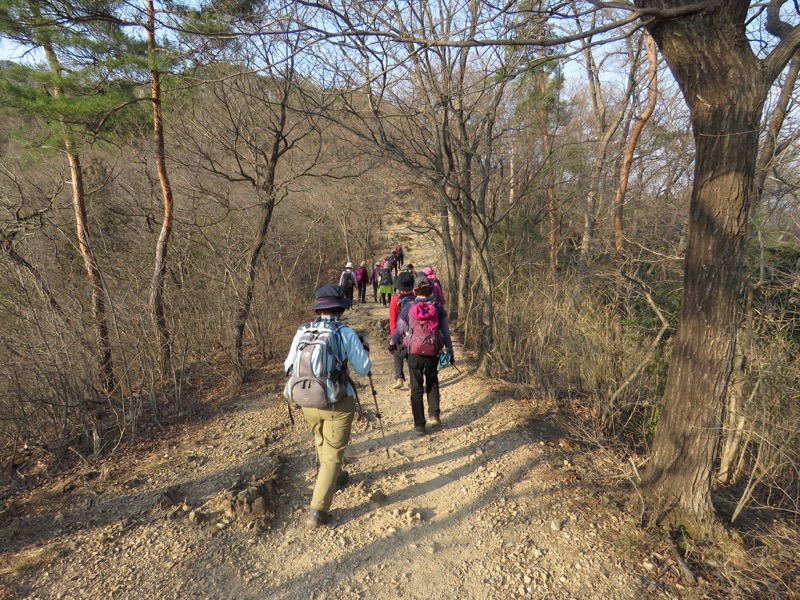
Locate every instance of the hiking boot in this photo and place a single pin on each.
(398, 384)
(434, 421)
(420, 430)
(343, 478)
(317, 518)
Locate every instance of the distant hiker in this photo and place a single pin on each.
(362, 278)
(437, 286)
(375, 280)
(385, 288)
(391, 262)
(411, 270)
(348, 282)
(404, 284)
(400, 254)
(423, 330)
(320, 384)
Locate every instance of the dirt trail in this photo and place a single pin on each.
(496, 504)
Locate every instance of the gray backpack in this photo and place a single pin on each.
(318, 376)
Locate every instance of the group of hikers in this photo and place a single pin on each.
(358, 279)
(322, 351)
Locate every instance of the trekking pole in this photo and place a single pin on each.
(358, 403)
(378, 411)
(289, 408)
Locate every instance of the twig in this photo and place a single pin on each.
(651, 351)
(684, 568)
(86, 462)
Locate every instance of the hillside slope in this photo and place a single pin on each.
(499, 503)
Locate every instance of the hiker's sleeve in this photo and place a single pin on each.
(437, 291)
(287, 364)
(392, 315)
(357, 357)
(401, 326)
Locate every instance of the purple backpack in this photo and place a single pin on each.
(423, 335)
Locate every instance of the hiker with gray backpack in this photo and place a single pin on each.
(422, 329)
(348, 282)
(319, 382)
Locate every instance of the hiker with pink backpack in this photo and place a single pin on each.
(437, 285)
(422, 329)
(362, 278)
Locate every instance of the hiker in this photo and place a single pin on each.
(329, 419)
(437, 286)
(400, 254)
(404, 284)
(406, 275)
(411, 270)
(385, 288)
(375, 279)
(348, 282)
(362, 277)
(423, 330)
(390, 262)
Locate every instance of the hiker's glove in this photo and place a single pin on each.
(452, 360)
(392, 348)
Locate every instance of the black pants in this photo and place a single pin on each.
(348, 292)
(375, 291)
(362, 291)
(423, 374)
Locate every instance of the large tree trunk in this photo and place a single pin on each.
(735, 406)
(724, 87)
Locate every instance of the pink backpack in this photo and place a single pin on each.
(423, 335)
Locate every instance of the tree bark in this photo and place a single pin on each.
(244, 311)
(99, 313)
(606, 127)
(630, 148)
(451, 262)
(162, 245)
(724, 86)
(552, 217)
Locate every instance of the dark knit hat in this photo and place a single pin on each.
(330, 296)
(404, 282)
(423, 284)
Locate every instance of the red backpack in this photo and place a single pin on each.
(423, 335)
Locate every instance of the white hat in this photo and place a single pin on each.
(349, 265)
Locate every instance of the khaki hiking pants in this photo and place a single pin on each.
(331, 427)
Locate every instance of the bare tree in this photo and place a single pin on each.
(45, 27)
(162, 245)
(607, 122)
